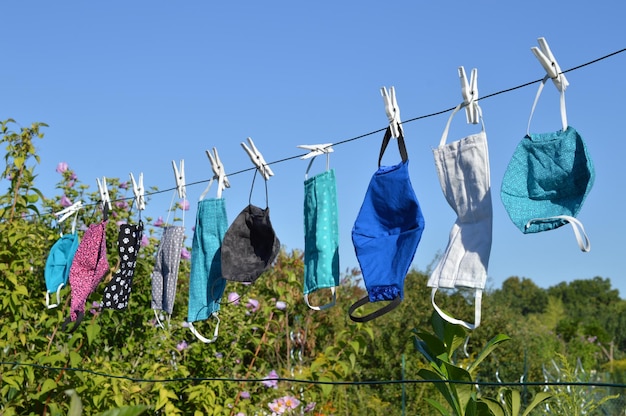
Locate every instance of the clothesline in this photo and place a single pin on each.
(278, 161)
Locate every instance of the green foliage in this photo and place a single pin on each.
(113, 362)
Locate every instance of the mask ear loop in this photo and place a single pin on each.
(252, 188)
(563, 110)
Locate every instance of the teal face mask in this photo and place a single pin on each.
(321, 238)
(58, 266)
(206, 285)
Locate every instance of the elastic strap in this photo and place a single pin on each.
(579, 231)
(563, 110)
(444, 136)
(79, 319)
(252, 187)
(379, 312)
(333, 291)
(477, 311)
(401, 146)
(215, 331)
(306, 174)
(58, 297)
(158, 321)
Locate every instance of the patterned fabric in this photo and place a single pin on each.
(321, 227)
(88, 268)
(206, 285)
(165, 274)
(117, 291)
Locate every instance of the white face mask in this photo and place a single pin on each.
(464, 175)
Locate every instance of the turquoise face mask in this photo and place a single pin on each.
(321, 236)
(58, 264)
(206, 284)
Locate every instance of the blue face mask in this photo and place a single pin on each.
(206, 285)
(58, 265)
(548, 179)
(386, 233)
(321, 239)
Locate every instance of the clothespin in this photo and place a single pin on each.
(257, 158)
(549, 63)
(219, 172)
(139, 191)
(180, 179)
(104, 192)
(470, 95)
(392, 110)
(65, 213)
(316, 150)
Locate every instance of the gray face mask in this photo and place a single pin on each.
(250, 244)
(464, 175)
(165, 273)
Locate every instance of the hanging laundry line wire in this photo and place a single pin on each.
(303, 381)
(275, 162)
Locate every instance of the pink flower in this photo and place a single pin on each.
(233, 297)
(290, 402)
(184, 205)
(281, 305)
(253, 305)
(124, 185)
(244, 395)
(309, 407)
(62, 167)
(71, 184)
(277, 406)
(65, 201)
(185, 254)
(121, 204)
(73, 176)
(185, 324)
(182, 346)
(145, 241)
(159, 222)
(271, 380)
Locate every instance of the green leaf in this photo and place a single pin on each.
(537, 400)
(76, 405)
(494, 406)
(491, 345)
(326, 388)
(444, 389)
(48, 385)
(438, 406)
(126, 411)
(513, 401)
(92, 331)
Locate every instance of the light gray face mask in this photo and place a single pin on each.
(464, 175)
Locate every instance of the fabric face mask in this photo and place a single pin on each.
(206, 285)
(117, 291)
(321, 236)
(250, 244)
(386, 233)
(548, 179)
(464, 175)
(165, 273)
(58, 264)
(88, 268)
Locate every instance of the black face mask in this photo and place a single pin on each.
(250, 245)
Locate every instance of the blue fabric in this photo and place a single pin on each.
(550, 174)
(206, 285)
(387, 232)
(321, 232)
(59, 261)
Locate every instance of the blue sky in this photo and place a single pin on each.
(131, 86)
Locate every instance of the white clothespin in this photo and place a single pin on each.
(257, 158)
(549, 63)
(104, 192)
(392, 110)
(314, 151)
(219, 172)
(470, 95)
(180, 179)
(71, 210)
(63, 214)
(139, 191)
